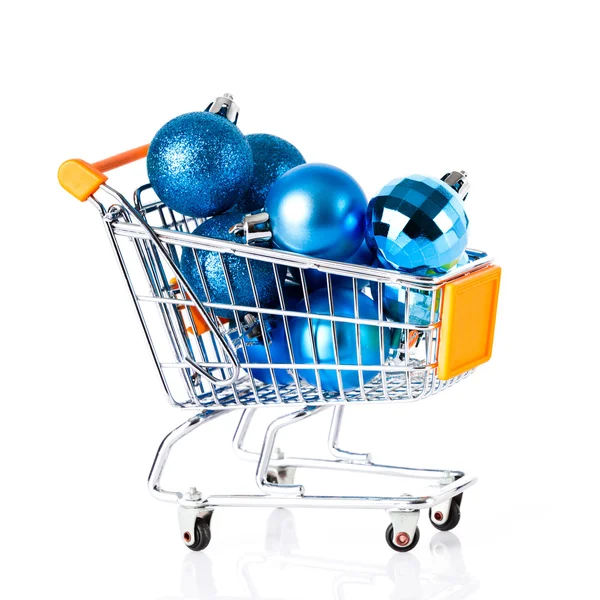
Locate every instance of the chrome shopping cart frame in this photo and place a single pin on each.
(203, 364)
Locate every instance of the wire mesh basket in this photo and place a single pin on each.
(181, 341)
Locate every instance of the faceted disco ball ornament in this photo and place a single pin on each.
(418, 223)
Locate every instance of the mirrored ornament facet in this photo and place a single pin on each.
(417, 223)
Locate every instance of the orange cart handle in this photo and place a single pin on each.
(82, 179)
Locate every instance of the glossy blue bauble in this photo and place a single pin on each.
(315, 280)
(394, 304)
(417, 223)
(272, 157)
(199, 164)
(279, 351)
(318, 210)
(343, 302)
(210, 262)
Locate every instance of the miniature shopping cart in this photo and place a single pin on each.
(203, 363)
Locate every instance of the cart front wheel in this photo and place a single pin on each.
(453, 518)
(403, 543)
(202, 535)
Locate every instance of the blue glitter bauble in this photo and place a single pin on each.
(272, 157)
(315, 279)
(199, 164)
(318, 210)
(343, 306)
(279, 351)
(417, 223)
(210, 263)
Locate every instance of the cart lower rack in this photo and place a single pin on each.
(206, 361)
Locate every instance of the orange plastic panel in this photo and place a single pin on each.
(468, 322)
(80, 179)
(199, 322)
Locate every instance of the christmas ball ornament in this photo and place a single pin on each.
(272, 157)
(318, 210)
(419, 303)
(236, 269)
(279, 351)
(315, 279)
(199, 164)
(343, 306)
(419, 223)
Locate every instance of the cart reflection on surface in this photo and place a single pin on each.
(401, 577)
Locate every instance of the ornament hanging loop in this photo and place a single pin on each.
(224, 106)
(254, 228)
(458, 181)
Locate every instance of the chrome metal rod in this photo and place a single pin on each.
(352, 502)
(164, 450)
(267, 450)
(152, 234)
(240, 436)
(332, 442)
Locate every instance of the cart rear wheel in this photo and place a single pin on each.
(202, 535)
(409, 545)
(453, 518)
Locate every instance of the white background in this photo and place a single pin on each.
(507, 91)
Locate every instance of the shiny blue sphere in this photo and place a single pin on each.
(318, 210)
(272, 157)
(394, 304)
(416, 224)
(199, 164)
(370, 354)
(235, 266)
(279, 351)
(315, 279)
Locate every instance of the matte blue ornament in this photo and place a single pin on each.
(210, 263)
(315, 279)
(343, 303)
(418, 223)
(318, 210)
(279, 351)
(272, 157)
(199, 164)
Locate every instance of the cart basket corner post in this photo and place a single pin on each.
(205, 360)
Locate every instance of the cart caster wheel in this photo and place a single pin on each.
(202, 535)
(453, 518)
(403, 539)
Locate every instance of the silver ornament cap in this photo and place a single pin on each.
(224, 106)
(254, 228)
(458, 181)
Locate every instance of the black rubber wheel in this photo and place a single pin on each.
(453, 518)
(389, 538)
(201, 535)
